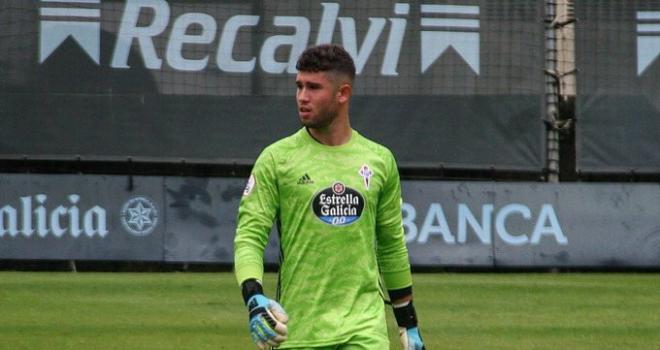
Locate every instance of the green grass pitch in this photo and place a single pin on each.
(204, 311)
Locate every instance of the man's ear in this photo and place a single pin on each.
(344, 93)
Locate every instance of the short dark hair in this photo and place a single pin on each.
(326, 58)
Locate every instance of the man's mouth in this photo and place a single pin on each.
(304, 112)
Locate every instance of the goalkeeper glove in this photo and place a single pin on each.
(267, 323)
(406, 318)
(410, 339)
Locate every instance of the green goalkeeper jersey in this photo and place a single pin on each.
(338, 211)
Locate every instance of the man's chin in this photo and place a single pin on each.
(315, 123)
(308, 123)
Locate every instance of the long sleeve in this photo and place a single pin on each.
(256, 213)
(392, 253)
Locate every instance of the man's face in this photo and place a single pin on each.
(317, 98)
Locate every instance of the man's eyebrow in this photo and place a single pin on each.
(307, 83)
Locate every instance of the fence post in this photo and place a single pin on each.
(560, 82)
(551, 92)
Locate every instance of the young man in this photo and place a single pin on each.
(337, 200)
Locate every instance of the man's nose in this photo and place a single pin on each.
(302, 95)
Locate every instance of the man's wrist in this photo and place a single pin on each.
(250, 288)
(405, 315)
(400, 294)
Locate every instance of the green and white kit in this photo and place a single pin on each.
(338, 211)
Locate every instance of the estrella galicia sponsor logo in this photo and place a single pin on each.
(139, 216)
(338, 205)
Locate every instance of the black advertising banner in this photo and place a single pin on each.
(452, 83)
(202, 221)
(81, 217)
(186, 219)
(618, 102)
(532, 224)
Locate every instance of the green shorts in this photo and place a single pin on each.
(357, 342)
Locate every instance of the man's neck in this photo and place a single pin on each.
(333, 135)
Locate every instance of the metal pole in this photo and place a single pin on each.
(551, 92)
(565, 30)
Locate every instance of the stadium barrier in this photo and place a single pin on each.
(189, 219)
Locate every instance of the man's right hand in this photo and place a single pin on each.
(410, 339)
(267, 321)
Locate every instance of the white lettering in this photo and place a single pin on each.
(40, 212)
(500, 227)
(482, 230)
(179, 37)
(95, 222)
(224, 57)
(342, 199)
(338, 220)
(297, 41)
(435, 223)
(129, 30)
(409, 213)
(393, 49)
(95, 219)
(74, 216)
(349, 39)
(8, 221)
(548, 214)
(338, 210)
(434, 214)
(135, 33)
(26, 203)
(328, 21)
(55, 223)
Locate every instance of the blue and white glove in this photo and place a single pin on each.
(267, 321)
(410, 338)
(406, 318)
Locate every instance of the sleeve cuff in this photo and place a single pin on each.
(244, 273)
(398, 294)
(397, 279)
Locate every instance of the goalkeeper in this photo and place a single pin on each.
(336, 198)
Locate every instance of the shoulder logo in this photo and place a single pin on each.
(305, 179)
(249, 186)
(338, 205)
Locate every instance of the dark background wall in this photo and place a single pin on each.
(116, 100)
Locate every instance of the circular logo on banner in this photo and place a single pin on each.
(338, 205)
(139, 216)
